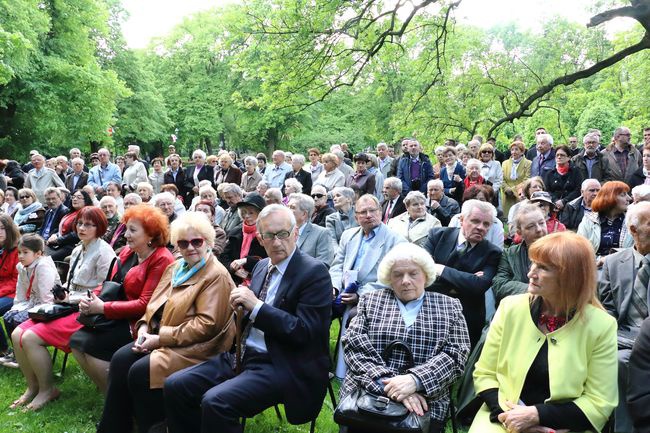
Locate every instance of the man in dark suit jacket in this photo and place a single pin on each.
(301, 175)
(55, 211)
(638, 392)
(204, 172)
(78, 178)
(623, 291)
(393, 203)
(466, 262)
(285, 343)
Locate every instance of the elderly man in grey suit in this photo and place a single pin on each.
(312, 239)
(383, 160)
(354, 270)
(623, 290)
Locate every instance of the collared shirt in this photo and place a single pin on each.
(364, 245)
(301, 229)
(275, 174)
(174, 173)
(255, 339)
(75, 180)
(101, 176)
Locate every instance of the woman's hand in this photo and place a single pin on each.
(236, 265)
(541, 429)
(52, 239)
(242, 273)
(94, 305)
(146, 343)
(416, 403)
(400, 387)
(519, 418)
(350, 298)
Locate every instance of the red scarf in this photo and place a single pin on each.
(469, 182)
(249, 234)
(562, 169)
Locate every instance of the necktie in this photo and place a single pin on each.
(462, 248)
(640, 293)
(48, 223)
(388, 209)
(261, 297)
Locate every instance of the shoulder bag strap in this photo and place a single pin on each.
(31, 281)
(72, 268)
(110, 268)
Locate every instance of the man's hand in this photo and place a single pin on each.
(350, 298)
(243, 296)
(438, 268)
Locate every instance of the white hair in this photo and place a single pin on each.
(642, 192)
(473, 161)
(198, 152)
(393, 183)
(146, 185)
(435, 182)
(250, 160)
(413, 197)
(108, 198)
(634, 213)
(298, 159)
(381, 146)
(293, 182)
(304, 203)
(78, 160)
(483, 206)
(411, 252)
(134, 196)
(273, 209)
(547, 137)
(163, 195)
(587, 182)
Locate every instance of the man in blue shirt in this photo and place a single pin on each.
(274, 174)
(100, 175)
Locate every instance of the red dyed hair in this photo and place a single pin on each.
(95, 216)
(153, 221)
(572, 257)
(606, 198)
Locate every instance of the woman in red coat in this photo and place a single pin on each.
(143, 261)
(9, 236)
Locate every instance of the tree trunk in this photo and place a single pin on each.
(271, 140)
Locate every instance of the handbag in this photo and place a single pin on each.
(112, 290)
(365, 410)
(49, 312)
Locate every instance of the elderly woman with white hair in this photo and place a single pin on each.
(251, 177)
(291, 186)
(343, 218)
(415, 223)
(430, 324)
(226, 172)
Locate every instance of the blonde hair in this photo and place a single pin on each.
(192, 221)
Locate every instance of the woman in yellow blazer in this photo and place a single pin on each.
(550, 358)
(512, 178)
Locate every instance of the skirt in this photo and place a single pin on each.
(102, 344)
(56, 333)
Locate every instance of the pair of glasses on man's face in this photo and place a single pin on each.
(317, 195)
(184, 244)
(283, 234)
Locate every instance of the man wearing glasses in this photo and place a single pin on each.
(354, 270)
(624, 159)
(284, 342)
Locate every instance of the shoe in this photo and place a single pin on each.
(9, 361)
(7, 356)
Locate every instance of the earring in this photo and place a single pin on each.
(149, 244)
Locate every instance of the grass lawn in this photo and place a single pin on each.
(80, 405)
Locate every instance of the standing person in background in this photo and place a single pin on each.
(563, 181)
(157, 177)
(516, 170)
(362, 180)
(78, 178)
(40, 178)
(196, 173)
(624, 159)
(545, 159)
(590, 162)
(298, 173)
(274, 175)
(414, 170)
(315, 166)
(251, 177)
(176, 176)
(134, 173)
(452, 174)
(383, 160)
(331, 176)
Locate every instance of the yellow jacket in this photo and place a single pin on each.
(582, 361)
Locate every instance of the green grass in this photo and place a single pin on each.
(80, 405)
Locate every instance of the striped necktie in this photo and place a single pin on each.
(640, 293)
(261, 297)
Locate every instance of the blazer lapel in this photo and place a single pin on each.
(627, 274)
(287, 278)
(373, 252)
(353, 247)
(257, 279)
(304, 235)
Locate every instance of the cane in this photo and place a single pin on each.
(239, 319)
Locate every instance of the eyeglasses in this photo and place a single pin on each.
(283, 234)
(486, 151)
(77, 197)
(184, 244)
(367, 211)
(85, 224)
(23, 197)
(318, 195)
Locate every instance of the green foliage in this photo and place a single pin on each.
(600, 115)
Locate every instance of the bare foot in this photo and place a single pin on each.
(43, 398)
(24, 399)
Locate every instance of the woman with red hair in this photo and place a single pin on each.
(605, 226)
(142, 263)
(90, 261)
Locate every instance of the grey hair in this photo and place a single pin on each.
(634, 212)
(162, 195)
(393, 183)
(591, 136)
(473, 161)
(439, 150)
(642, 192)
(200, 153)
(547, 137)
(280, 152)
(586, 182)
(370, 197)
(134, 196)
(53, 189)
(435, 182)
(381, 145)
(345, 192)
(231, 188)
(523, 210)
(250, 160)
(413, 197)
(273, 209)
(76, 160)
(109, 198)
(411, 252)
(304, 203)
(293, 182)
(207, 188)
(298, 158)
(274, 193)
(146, 185)
(470, 205)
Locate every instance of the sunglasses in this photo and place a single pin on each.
(318, 195)
(184, 244)
(22, 197)
(486, 151)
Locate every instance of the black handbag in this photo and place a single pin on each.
(367, 411)
(112, 290)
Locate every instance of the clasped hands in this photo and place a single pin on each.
(94, 305)
(403, 390)
(146, 343)
(524, 419)
(237, 266)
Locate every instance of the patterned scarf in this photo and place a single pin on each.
(23, 214)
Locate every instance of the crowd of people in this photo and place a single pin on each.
(521, 275)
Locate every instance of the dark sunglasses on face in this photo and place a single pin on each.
(23, 197)
(184, 244)
(317, 195)
(486, 151)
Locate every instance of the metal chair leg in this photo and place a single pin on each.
(277, 412)
(312, 426)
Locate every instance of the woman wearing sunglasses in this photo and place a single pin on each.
(187, 320)
(29, 218)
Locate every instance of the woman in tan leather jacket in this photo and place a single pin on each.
(187, 320)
